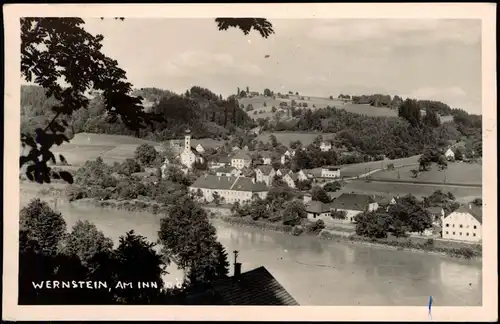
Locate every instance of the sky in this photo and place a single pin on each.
(417, 58)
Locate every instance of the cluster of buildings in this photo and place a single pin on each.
(237, 177)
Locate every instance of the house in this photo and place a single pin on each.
(227, 171)
(384, 201)
(251, 288)
(199, 148)
(287, 156)
(437, 214)
(313, 174)
(464, 224)
(266, 157)
(307, 198)
(290, 179)
(282, 172)
(219, 161)
(354, 204)
(325, 146)
(318, 210)
(230, 189)
(265, 173)
(449, 154)
(301, 176)
(330, 172)
(241, 160)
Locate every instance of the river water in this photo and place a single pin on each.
(317, 272)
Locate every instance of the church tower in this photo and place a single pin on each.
(187, 140)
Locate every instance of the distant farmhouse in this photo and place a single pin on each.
(464, 224)
(265, 173)
(354, 204)
(230, 189)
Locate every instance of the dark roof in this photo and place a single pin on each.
(254, 287)
(225, 169)
(317, 207)
(266, 154)
(265, 169)
(352, 201)
(435, 210)
(242, 155)
(228, 183)
(473, 210)
(382, 200)
(313, 172)
(284, 171)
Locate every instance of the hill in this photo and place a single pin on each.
(203, 112)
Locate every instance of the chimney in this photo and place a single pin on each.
(237, 266)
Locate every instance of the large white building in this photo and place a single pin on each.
(189, 155)
(330, 172)
(230, 189)
(464, 224)
(354, 204)
(325, 146)
(265, 173)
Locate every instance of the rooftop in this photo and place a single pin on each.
(317, 207)
(476, 212)
(228, 183)
(242, 155)
(352, 201)
(265, 169)
(254, 287)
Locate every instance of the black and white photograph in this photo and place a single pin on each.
(214, 156)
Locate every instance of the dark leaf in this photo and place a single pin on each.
(66, 176)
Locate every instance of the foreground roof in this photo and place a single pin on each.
(228, 183)
(254, 287)
(473, 210)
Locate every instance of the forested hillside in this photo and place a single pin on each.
(205, 113)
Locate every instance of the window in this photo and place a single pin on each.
(453, 225)
(447, 225)
(474, 226)
(473, 234)
(460, 233)
(467, 226)
(447, 232)
(467, 234)
(461, 226)
(453, 233)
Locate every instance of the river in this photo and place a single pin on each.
(317, 272)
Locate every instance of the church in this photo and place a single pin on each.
(185, 154)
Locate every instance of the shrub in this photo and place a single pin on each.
(297, 230)
(146, 154)
(74, 192)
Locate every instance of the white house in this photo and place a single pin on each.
(283, 171)
(384, 201)
(464, 224)
(189, 155)
(227, 171)
(325, 146)
(301, 176)
(449, 154)
(287, 156)
(220, 161)
(266, 157)
(229, 189)
(289, 179)
(330, 172)
(437, 215)
(241, 160)
(200, 148)
(317, 210)
(354, 204)
(265, 174)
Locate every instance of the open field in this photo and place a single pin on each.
(462, 194)
(317, 103)
(286, 137)
(352, 170)
(458, 172)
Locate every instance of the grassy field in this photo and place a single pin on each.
(462, 194)
(317, 103)
(466, 173)
(352, 170)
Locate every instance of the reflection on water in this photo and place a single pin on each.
(320, 272)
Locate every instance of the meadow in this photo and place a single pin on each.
(457, 172)
(316, 103)
(352, 170)
(462, 194)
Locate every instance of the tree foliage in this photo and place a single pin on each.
(146, 154)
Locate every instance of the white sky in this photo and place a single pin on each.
(425, 59)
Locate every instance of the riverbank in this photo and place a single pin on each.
(413, 244)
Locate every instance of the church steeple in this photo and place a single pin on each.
(187, 140)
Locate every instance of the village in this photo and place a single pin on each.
(242, 176)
